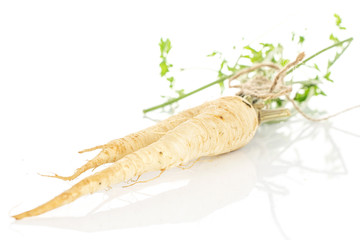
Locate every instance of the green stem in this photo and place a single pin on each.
(222, 79)
(339, 55)
(349, 40)
(304, 82)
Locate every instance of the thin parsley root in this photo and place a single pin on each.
(220, 126)
(118, 148)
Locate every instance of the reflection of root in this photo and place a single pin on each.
(188, 166)
(131, 180)
(144, 181)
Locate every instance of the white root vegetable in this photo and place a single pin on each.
(118, 148)
(216, 127)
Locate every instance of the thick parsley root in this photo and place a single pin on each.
(220, 126)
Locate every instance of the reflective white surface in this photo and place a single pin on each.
(72, 80)
(295, 180)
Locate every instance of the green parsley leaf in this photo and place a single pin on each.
(164, 68)
(165, 47)
(333, 38)
(214, 53)
(338, 21)
(301, 39)
(171, 80)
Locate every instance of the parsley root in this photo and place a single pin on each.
(213, 128)
(118, 148)
(216, 127)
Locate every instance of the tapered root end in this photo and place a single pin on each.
(20, 216)
(69, 178)
(92, 149)
(58, 201)
(91, 164)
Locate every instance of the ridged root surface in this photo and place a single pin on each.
(118, 148)
(221, 126)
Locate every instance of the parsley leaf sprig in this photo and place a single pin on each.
(262, 52)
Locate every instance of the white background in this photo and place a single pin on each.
(75, 74)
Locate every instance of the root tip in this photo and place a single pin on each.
(19, 216)
(58, 177)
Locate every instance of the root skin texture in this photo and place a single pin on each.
(216, 127)
(118, 148)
